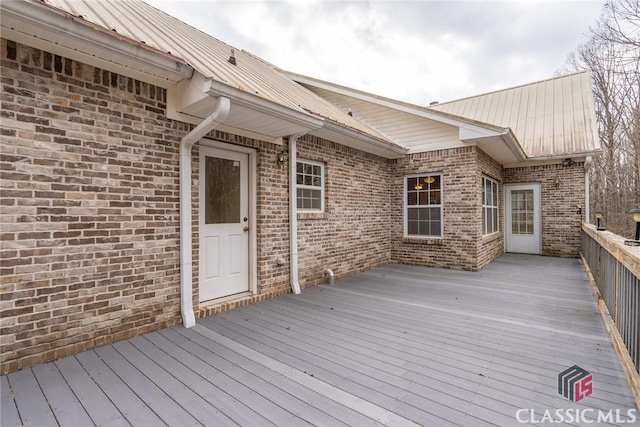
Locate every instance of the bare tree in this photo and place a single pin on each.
(612, 55)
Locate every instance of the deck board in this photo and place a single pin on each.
(341, 375)
(159, 369)
(248, 407)
(299, 400)
(132, 408)
(399, 376)
(161, 403)
(9, 416)
(537, 353)
(397, 345)
(64, 404)
(31, 403)
(98, 406)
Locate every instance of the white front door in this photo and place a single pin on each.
(523, 228)
(224, 224)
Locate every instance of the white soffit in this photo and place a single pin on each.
(416, 128)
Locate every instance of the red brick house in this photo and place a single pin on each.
(153, 174)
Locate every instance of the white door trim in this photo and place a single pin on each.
(253, 211)
(537, 218)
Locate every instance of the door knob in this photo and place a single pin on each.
(245, 228)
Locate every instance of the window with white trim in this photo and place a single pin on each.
(423, 205)
(489, 206)
(310, 186)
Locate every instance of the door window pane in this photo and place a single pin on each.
(222, 191)
(522, 212)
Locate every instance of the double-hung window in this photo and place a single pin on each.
(310, 186)
(423, 205)
(489, 206)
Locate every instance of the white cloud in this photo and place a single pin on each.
(415, 51)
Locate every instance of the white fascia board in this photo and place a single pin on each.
(405, 108)
(468, 132)
(533, 162)
(193, 94)
(199, 90)
(550, 160)
(62, 34)
(215, 88)
(465, 134)
(366, 143)
(514, 145)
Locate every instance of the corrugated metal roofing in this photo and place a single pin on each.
(418, 129)
(553, 117)
(208, 55)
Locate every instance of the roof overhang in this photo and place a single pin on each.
(583, 156)
(498, 142)
(256, 117)
(43, 27)
(355, 139)
(502, 146)
(251, 116)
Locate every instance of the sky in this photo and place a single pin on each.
(413, 51)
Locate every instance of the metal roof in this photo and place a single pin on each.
(418, 129)
(550, 118)
(209, 56)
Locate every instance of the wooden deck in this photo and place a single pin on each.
(397, 345)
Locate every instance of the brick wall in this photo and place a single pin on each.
(353, 233)
(458, 249)
(491, 246)
(560, 219)
(89, 198)
(90, 210)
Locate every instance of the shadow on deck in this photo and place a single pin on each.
(397, 345)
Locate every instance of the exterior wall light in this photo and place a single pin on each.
(635, 214)
(282, 157)
(598, 215)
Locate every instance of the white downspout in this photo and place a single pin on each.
(587, 197)
(186, 245)
(293, 214)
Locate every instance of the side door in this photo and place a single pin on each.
(224, 211)
(523, 229)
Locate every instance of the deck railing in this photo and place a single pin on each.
(616, 271)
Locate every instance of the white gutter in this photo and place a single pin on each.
(263, 105)
(514, 144)
(587, 197)
(186, 245)
(293, 214)
(54, 30)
